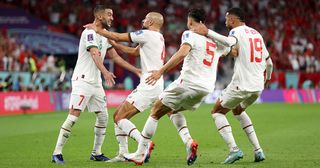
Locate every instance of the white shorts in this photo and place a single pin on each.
(145, 95)
(88, 95)
(180, 96)
(231, 97)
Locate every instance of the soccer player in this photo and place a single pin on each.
(247, 81)
(151, 49)
(197, 79)
(87, 90)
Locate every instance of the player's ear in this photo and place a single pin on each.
(151, 22)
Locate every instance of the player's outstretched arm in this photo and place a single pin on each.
(129, 50)
(269, 70)
(203, 30)
(174, 61)
(108, 76)
(110, 35)
(120, 61)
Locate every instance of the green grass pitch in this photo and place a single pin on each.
(288, 133)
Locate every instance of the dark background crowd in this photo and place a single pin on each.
(291, 30)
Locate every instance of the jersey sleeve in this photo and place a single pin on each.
(187, 38)
(235, 33)
(224, 50)
(109, 46)
(90, 38)
(139, 36)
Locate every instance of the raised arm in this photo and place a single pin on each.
(174, 61)
(120, 61)
(108, 76)
(203, 30)
(129, 50)
(110, 35)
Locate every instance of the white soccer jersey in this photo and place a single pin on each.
(152, 49)
(200, 65)
(251, 61)
(86, 69)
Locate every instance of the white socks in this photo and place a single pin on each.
(64, 133)
(225, 131)
(130, 129)
(122, 139)
(247, 126)
(179, 121)
(99, 132)
(149, 130)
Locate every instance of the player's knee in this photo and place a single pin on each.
(101, 118)
(238, 110)
(75, 112)
(218, 108)
(119, 116)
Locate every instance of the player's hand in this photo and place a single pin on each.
(200, 29)
(138, 72)
(109, 77)
(92, 26)
(234, 51)
(266, 83)
(153, 78)
(112, 42)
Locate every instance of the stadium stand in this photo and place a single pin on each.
(291, 33)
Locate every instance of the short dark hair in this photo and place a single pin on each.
(98, 9)
(237, 12)
(198, 15)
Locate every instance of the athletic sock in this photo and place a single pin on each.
(122, 139)
(247, 126)
(149, 130)
(99, 132)
(130, 129)
(179, 121)
(64, 133)
(225, 130)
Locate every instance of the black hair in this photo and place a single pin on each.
(98, 9)
(237, 12)
(199, 15)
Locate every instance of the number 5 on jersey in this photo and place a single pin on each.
(209, 49)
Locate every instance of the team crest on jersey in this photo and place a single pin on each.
(185, 36)
(138, 32)
(232, 32)
(90, 37)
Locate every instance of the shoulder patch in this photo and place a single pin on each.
(138, 32)
(90, 37)
(185, 36)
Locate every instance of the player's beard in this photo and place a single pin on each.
(105, 24)
(229, 27)
(144, 28)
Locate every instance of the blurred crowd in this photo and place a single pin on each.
(289, 27)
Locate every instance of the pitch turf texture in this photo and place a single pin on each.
(288, 133)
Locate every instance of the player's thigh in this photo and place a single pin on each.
(98, 101)
(230, 98)
(251, 97)
(143, 98)
(173, 96)
(80, 95)
(193, 99)
(159, 109)
(125, 110)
